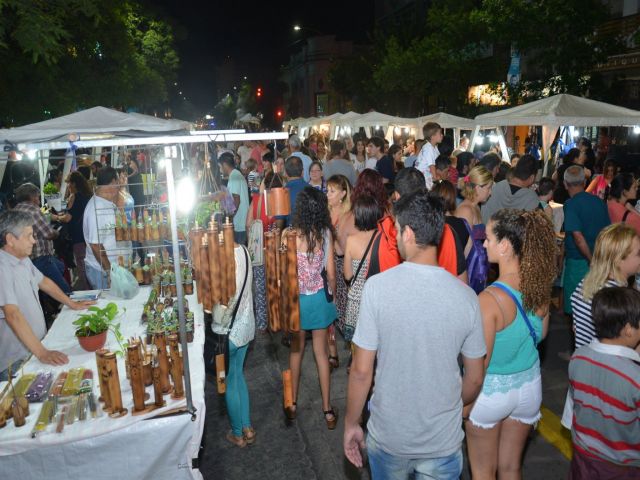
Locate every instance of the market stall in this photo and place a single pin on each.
(176, 383)
(128, 446)
(554, 112)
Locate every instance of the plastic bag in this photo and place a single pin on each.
(123, 283)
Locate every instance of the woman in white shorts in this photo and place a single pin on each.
(515, 315)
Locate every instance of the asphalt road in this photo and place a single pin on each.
(305, 449)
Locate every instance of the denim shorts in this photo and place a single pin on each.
(385, 466)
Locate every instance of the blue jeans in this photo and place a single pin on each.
(97, 278)
(52, 268)
(237, 394)
(385, 466)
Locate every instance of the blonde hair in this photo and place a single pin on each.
(478, 175)
(612, 246)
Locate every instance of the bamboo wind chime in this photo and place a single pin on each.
(282, 281)
(214, 263)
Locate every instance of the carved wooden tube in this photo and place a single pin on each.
(222, 265)
(110, 370)
(283, 287)
(205, 278)
(196, 238)
(214, 266)
(273, 299)
(287, 389)
(229, 251)
(157, 383)
(103, 380)
(160, 342)
(176, 367)
(136, 377)
(293, 298)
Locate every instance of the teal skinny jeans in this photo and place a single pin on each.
(237, 394)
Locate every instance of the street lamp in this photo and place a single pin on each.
(297, 28)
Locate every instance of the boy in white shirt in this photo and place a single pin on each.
(426, 161)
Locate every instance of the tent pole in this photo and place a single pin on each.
(180, 294)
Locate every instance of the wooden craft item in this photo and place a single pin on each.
(176, 367)
(147, 225)
(160, 341)
(205, 278)
(56, 389)
(110, 371)
(221, 374)
(155, 230)
(157, 384)
(162, 225)
(103, 381)
(287, 389)
(283, 285)
(119, 229)
(136, 380)
(229, 251)
(147, 373)
(134, 226)
(222, 262)
(277, 201)
(293, 298)
(271, 265)
(140, 229)
(214, 265)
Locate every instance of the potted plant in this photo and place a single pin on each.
(92, 327)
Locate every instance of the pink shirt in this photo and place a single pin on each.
(616, 212)
(309, 277)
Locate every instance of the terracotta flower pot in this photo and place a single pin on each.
(94, 342)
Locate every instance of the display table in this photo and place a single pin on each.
(140, 446)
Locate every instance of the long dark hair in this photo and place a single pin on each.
(81, 184)
(311, 217)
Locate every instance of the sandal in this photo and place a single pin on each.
(249, 435)
(334, 362)
(239, 442)
(291, 412)
(333, 421)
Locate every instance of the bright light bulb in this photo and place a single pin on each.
(479, 140)
(185, 195)
(396, 130)
(493, 138)
(636, 130)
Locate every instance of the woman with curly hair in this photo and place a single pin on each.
(370, 183)
(312, 224)
(476, 189)
(515, 316)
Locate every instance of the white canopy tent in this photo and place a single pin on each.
(344, 124)
(373, 120)
(91, 124)
(554, 112)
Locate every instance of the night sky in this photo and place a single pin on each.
(257, 36)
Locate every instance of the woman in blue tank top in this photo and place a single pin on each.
(515, 315)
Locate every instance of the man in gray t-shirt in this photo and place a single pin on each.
(417, 335)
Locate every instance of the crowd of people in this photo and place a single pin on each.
(435, 265)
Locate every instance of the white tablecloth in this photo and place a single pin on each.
(128, 447)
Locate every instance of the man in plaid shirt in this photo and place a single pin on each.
(28, 198)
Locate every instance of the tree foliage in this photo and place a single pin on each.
(469, 42)
(64, 55)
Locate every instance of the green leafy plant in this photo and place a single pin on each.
(204, 211)
(98, 320)
(50, 189)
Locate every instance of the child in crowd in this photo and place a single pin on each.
(545, 194)
(253, 177)
(605, 387)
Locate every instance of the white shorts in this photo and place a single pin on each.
(521, 404)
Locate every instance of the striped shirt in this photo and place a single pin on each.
(605, 387)
(582, 321)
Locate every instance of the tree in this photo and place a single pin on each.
(469, 42)
(81, 53)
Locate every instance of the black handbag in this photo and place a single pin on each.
(221, 340)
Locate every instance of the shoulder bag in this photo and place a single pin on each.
(521, 310)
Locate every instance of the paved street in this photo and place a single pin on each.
(305, 449)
